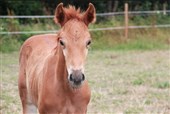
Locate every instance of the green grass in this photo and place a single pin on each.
(163, 85)
(144, 39)
(120, 81)
(124, 81)
(9, 44)
(138, 81)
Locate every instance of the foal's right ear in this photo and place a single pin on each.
(59, 17)
(90, 15)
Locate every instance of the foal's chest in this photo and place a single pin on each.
(70, 108)
(64, 103)
(77, 104)
(60, 106)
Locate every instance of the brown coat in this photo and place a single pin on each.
(44, 63)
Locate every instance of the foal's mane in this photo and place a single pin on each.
(72, 13)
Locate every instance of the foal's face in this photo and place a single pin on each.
(75, 40)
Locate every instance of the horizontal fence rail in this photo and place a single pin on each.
(133, 12)
(98, 14)
(165, 12)
(96, 29)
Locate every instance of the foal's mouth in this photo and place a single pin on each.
(75, 85)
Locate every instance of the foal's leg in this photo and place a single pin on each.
(31, 108)
(22, 88)
(27, 105)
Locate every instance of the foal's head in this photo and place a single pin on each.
(74, 39)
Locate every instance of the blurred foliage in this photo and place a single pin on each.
(47, 7)
(39, 7)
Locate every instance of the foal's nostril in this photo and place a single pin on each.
(83, 77)
(71, 77)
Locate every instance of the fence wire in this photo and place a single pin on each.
(96, 29)
(98, 14)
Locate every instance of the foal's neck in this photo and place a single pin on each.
(61, 71)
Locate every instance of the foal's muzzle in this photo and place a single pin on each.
(76, 78)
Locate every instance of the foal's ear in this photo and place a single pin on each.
(59, 17)
(90, 15)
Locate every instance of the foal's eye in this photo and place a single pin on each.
(61, 42)
(89, 42)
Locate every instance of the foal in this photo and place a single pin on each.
(51, 76)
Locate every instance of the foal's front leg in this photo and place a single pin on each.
(27, 106)
(30, 109)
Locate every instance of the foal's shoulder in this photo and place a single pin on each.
(41, 39)
(40, 43)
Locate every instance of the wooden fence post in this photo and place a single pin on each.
(164, 8)
(126, 20)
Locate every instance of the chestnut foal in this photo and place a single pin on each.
(51, 76)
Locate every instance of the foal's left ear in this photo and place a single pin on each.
(90, 15)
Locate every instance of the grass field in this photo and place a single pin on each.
(129, 82)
